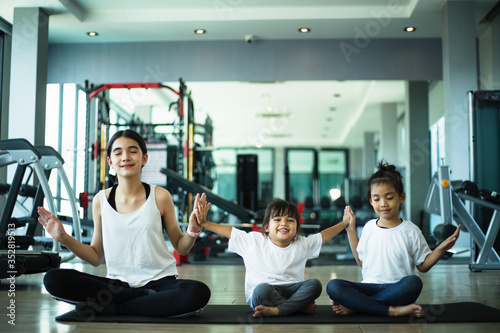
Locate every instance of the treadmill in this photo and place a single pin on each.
(16, 257)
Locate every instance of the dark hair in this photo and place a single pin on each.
(280, 207)
(386, 174)
(128, 133)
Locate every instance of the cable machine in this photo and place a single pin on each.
(179, 157)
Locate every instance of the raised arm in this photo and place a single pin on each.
(331, 232)
(93, 253)
(352, 236)
(220, 229)
(182, 243)
(433, 257)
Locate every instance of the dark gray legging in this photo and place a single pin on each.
(171, 296)
(288, 298)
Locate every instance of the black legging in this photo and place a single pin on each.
(94, 294)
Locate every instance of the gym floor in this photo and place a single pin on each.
(35, 310)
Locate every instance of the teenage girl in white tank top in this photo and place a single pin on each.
(129, 221)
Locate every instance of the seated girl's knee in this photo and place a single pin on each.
(198, 289)
(314, 286)
(52, 277)
(204, 291)
(413, 281)
(413, 285)
(263, 287)
(57, 280)
(334, 287)
(314, 283)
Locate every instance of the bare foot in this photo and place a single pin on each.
(340, 309)
(266, 311)
(311, 308)
(406, 310)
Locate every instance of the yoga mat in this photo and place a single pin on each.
(242, 314)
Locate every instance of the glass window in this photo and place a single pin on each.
(301, 174)
(226, 172)
(65, 132)
(332, 165)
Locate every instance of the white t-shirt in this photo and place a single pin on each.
(389, 254)
(266, 262)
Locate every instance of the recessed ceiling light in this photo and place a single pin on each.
(278, 135)
(272, 114)
(200, 31)
(304, 30)
(92, 34)
(410, 29)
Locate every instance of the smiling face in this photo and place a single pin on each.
(126, 157)
(281, 230)
(386, 202)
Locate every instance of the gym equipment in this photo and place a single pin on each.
(229, 206)
(484, 145)
(182, 156)
(247, 181)
(96, 140)
(52, 160)
(185, 187)
(443, 200)
(16, 260)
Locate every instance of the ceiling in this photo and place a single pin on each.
(343, 110)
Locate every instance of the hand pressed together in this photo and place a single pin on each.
(202, 208)
(349, 216)
(194, 224)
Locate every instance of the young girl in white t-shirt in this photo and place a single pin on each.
(388, 251)
(275, 259)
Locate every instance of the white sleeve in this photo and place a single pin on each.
(314, 243)
(422, 249)
(362, 242)
(239, 242)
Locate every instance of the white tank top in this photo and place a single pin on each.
(134, 247)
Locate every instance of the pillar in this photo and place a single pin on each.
(28, 75)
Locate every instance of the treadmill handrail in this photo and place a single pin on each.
(21, 150)
(51, 159)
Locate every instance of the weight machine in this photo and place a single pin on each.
(443, 199)
(183, 156)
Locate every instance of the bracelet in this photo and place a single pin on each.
(192, 234)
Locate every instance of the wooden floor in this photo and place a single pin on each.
(35, 310)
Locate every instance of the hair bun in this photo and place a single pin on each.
(384, 166)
